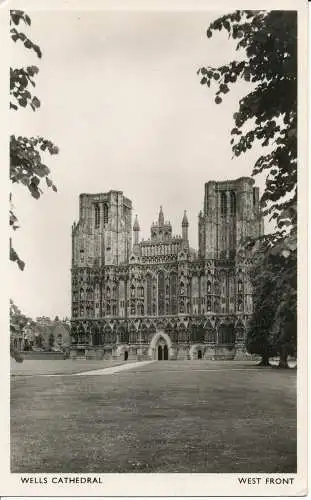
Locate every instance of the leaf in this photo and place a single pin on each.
(32, 70)
(28, 44)
(49, 182)
(218, 99)
(22, 102)
(36, 102)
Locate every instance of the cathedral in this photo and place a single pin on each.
(159, 298)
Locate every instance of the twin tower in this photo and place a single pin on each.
(103, 234)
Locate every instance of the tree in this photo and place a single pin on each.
(267, 116)
(273, 326)
(18, 321)
(26, 153)
(51, 341)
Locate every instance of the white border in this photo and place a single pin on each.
(165, 484)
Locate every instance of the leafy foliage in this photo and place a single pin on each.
(26, 164)
(274, 279)
(18, 321)
(26, 153)
(267, 115)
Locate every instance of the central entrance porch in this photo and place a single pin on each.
(160, 347)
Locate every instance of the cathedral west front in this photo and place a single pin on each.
(159, 298)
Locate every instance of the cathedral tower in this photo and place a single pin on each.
(231, 214)
(103, 234)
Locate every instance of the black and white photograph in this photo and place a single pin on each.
(157, 236)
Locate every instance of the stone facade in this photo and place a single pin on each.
(158, 298)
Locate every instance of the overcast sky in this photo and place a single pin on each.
(122, 100)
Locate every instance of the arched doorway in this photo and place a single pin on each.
(160, 347)
(165, 353)
(126, 355)
(199, 354)
(160, 353)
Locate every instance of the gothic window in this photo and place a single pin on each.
(209, 305)
(233, 203)
(210, 336)
(121, 289)
(240, 286)
(108, 335)
(209, 287)
(133, 335)
(226, 334)
(114, 310)
(173, 286)
(108, 291)
(195, 286)
(223, 203)
(202, 286)
(148, 279)
(108, 309)
(154, 309)
(132, 291)
(105, 210)
(97, 216)
(206, 205)
(161, 305)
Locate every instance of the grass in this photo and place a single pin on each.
(205, 417)
(59, 367)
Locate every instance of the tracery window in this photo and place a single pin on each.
(233, 203)
(226, 334)
(97, 216)
(223, 203)
(148, 279)
(173, 289)
(105, 214)
(161, 303)
(210, 335)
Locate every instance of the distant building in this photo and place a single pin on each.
(51, 335)
(159, 299)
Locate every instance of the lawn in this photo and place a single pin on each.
(161, 417)
(59, 367)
